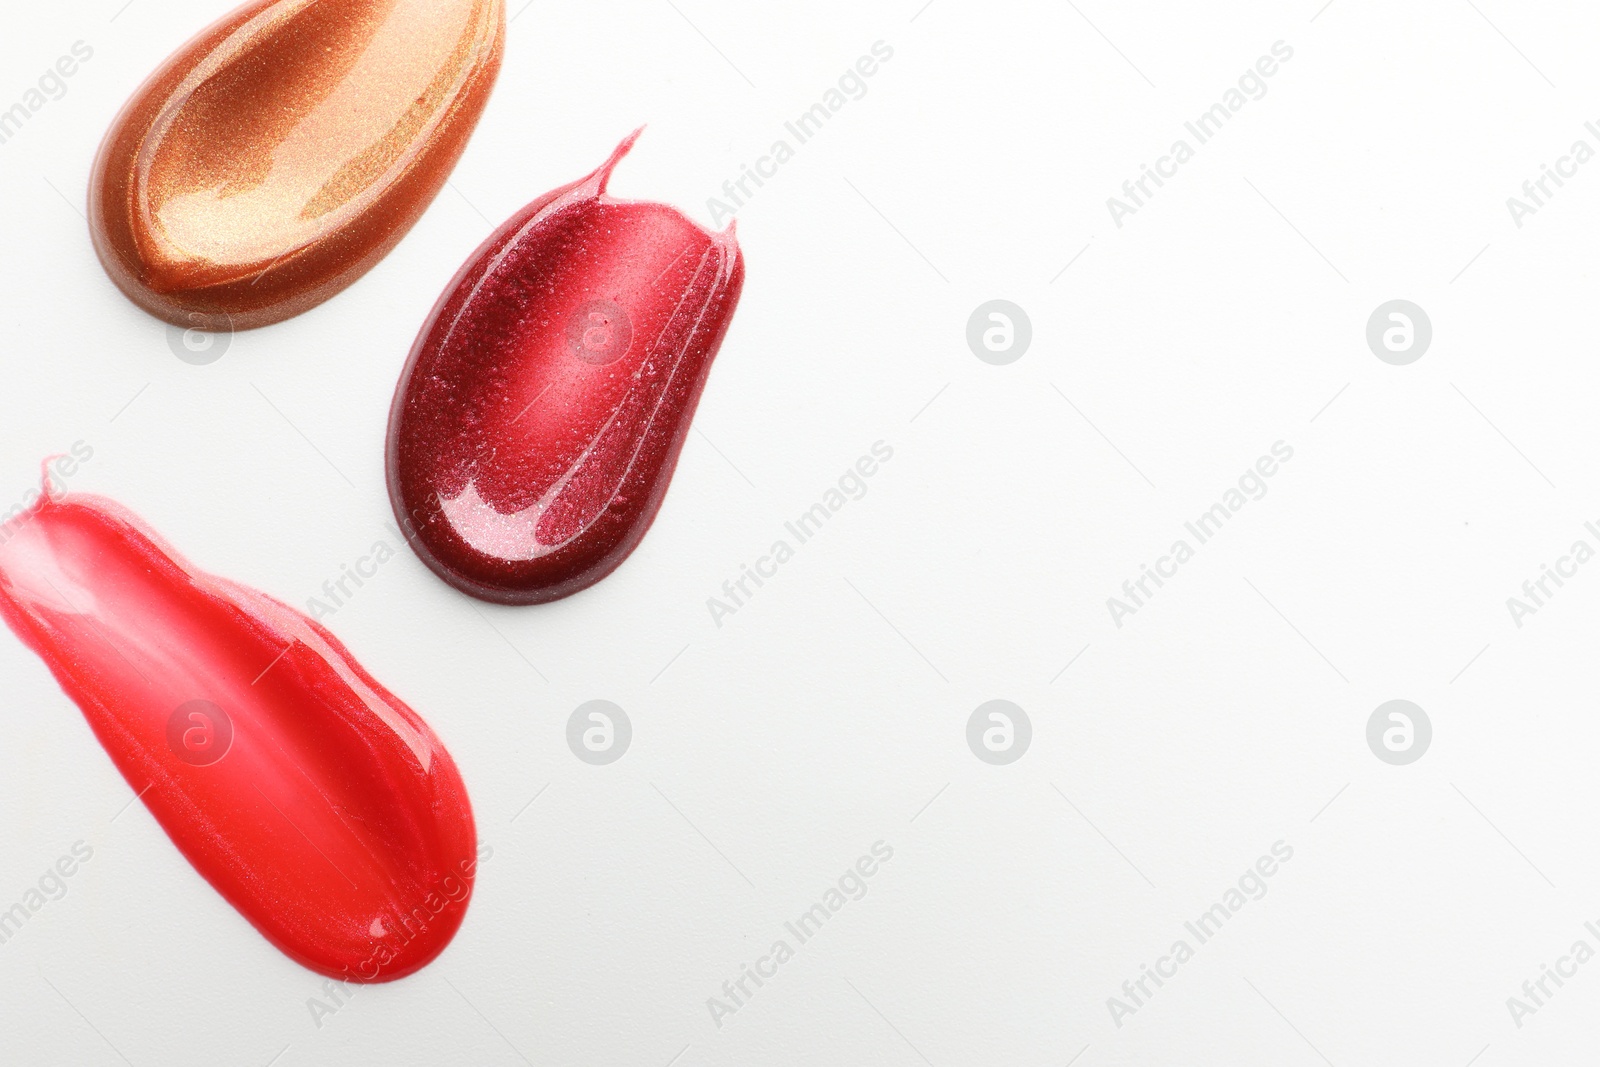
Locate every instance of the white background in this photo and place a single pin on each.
(830, 712)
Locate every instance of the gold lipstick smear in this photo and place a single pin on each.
(279, 155)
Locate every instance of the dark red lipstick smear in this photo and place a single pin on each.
(537, 424)
(315, 801)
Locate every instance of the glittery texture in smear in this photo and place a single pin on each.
(279, 155)
(315, 801)
(539, 419)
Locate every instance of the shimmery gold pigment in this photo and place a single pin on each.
(283, 152)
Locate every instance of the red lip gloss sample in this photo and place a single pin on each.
(537, 424)
(316, 802)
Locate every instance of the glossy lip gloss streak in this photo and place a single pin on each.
(537, 424)
(280, 154)
(315, 801)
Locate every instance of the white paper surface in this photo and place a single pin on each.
(830, 711)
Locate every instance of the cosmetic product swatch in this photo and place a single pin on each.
(279, 155)
(315, 801)
(540, 416)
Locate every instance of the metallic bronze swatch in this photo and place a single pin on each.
(279, 155)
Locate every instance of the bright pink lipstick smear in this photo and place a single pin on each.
(537, 424)
(315, 801)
